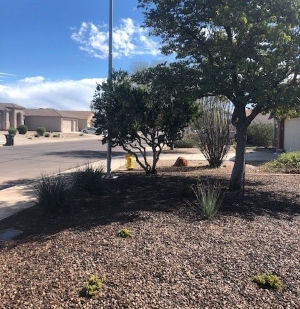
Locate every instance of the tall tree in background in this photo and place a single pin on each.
(144, 110)
(247, 51)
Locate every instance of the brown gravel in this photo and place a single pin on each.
(174, 260)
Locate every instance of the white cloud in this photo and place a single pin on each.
(37, 92)
(32, 80)
(128, 40)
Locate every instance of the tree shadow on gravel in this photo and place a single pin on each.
(129, 196)
(265, 197)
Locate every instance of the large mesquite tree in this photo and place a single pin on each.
(245, 50)
(144, 112)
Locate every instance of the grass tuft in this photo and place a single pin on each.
(208, 198)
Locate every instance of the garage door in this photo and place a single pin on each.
(67, 126)
(292, 134)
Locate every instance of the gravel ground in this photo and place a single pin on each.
(174, 260)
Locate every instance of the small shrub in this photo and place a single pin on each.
(260, 134)
(55, 135)
(47, 135)
(41, 131)
(36, 135)
(208, 198)
(268, 281)
(92, 287)
(188, 141)
(124, 233)
(22, 129)
(88, 179)
(52, 194)
(286, 163)
(12, 131)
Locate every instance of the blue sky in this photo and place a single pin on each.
(53, 52)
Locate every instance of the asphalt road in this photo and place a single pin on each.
(23, 163)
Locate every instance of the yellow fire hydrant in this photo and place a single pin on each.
(129, 161)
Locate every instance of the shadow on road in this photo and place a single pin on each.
(86, 154)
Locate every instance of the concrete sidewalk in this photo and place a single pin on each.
(17, 198)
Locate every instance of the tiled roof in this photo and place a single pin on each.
(10, 105)
(50, 112)
(46, 112)
(76, 114)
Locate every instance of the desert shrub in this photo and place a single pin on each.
(286, 163)
(260, 134)
(12, 131)
(88, 179)
(208, 198)
(40, 130)
(22, 129)
(55, 135)
(92, 287)
(268, 281)
(188, 141)
(47, 135)
(124, 233)
(213, 129)
(52, 194)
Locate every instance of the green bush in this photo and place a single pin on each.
(208, 198)
(286, 163)
(41, 131)
(92, 287)
(124, 233)
(22, 129)
(12, 131)
(88, 179)
(52, 194)
(47, 135)
(268, 281)
(260, 134)
(188, 141)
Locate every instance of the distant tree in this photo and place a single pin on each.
(143, 110)
(247, 51)
(213, 129)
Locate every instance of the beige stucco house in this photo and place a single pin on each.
(57, 120)
(11, 115)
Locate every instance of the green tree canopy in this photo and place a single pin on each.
(247, 51)
(143, 111)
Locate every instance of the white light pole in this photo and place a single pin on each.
(108, 167)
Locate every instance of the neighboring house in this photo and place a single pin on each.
(288, 132)
(56, 120)
(11, 115)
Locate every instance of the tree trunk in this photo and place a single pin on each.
(236, 180)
